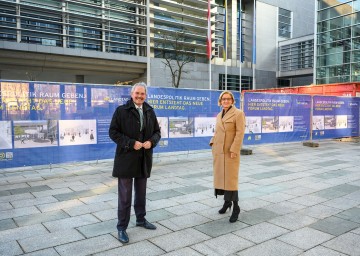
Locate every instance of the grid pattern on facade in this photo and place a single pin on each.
(106, 25)
(233, 82)
(219, 31)
(219, 28)
(296, 56)
(284, 23)
(240, 33)
(338, 41)
(97, 25)
(246, 26)
(180, 27)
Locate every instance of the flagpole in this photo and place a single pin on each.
(315, 44)
(254, 46)
(240, 44)
(210, 74)
(209, 42)
(225, 44)
(148, 42)
(226, 75)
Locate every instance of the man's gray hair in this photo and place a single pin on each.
(140, 84)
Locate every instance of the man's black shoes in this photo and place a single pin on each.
(145, 224)
(123, 236)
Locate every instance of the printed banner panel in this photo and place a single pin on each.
(274, 118)
(43, 123)
(335, 117)
(48, 123)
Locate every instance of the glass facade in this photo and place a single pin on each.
(96, 25)
(240, 33)
(284, 24)
(297, 56)
(106, 25)
(338, 41)
(233, 82)
(180, 29)
(219, 30)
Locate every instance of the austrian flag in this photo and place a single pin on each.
(208, 43)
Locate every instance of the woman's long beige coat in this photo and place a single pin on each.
(228, 137)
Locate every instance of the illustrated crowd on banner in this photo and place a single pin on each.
(42, 123)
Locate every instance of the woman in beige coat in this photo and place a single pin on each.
(226, 145)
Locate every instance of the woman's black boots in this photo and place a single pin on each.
(235, 214)
(227, 204)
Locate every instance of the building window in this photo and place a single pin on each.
(284, 23)
(338, 40)
(115, 27)
(240, 33)
(219, 31)
(233, 82)
(180, 28)
(297, 56)
(283, 83)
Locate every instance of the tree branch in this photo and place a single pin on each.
(174, 54)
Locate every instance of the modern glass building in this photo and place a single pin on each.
(179, 26)
(296, 61)
(84, 40)
(338, 41)
(107, 26)
(111, 35)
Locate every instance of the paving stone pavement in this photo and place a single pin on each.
(294, 200)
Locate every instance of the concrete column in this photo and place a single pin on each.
(137, 31)
(103, 27)
(233, 32)
(18, 22)
(64, 24)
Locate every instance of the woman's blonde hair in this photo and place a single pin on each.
(226, 92)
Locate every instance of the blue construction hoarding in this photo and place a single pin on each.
(335, 117)
(43, 123)
(272, 118)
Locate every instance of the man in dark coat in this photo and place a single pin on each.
(135, 130)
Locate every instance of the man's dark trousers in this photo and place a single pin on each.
(124, 200)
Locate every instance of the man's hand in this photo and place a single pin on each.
(147, 144)
(138, 145)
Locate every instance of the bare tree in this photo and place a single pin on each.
(32, 76)
(176, 54)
